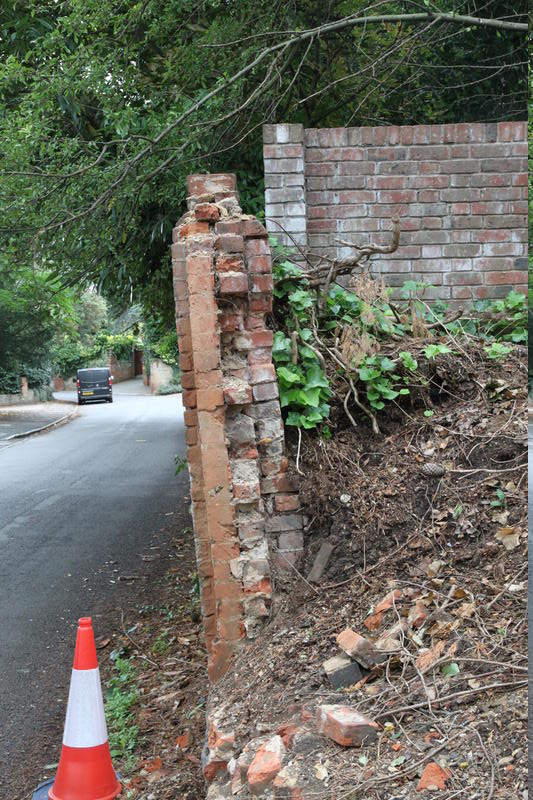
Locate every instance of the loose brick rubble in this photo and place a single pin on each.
(342, 671)
(359, 648)
(346, 726)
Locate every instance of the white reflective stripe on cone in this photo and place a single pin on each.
(85, 721)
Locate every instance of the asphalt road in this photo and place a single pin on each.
(78, 507)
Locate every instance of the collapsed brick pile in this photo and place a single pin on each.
(280, 765)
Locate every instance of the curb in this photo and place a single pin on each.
(24, 434)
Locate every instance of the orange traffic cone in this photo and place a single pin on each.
(85, 771)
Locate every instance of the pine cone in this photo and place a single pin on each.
(432, 470)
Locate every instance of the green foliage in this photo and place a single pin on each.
(181, 464)
(497, 350)
(304, 389)
(376, 372)
(505, 320)
(433, 350)
(120, 699)
(500, 501)
(166, 348)
(33, 309)
(71, 354)
(107, 106)
(174, 387)
(9, 382)
(349, 330)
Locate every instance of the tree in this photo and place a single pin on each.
(106, 106)
(33, 309)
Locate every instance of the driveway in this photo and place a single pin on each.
(79, 505)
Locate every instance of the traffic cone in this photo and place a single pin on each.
(85, 771)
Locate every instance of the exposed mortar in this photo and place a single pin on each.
(244, 503)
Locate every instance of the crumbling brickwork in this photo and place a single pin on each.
(459, 189)
(244, 503)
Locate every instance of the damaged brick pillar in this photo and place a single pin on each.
(245, 505)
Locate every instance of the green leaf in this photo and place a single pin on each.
(294, 419)
(316, 378)
(450, 669)
(367, 374)
(387, 364)
(309, 397)
(408, 360)
(429, 412)
(288, 375)
(397, 761)
(306, 353)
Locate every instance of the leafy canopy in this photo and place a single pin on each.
(107, 105)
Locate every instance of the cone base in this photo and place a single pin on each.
(85, 774)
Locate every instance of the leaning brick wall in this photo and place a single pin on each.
(244, 503)
(459, 189)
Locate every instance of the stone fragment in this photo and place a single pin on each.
(321, 561)
(266, 765)
(218, 792)
(294, 782)
(391, 640)
(284, 522)
(306, 742)
(342, 671)
(433, 778)
(236, 392)
(417, 614)
(240, 429)
(359, 648)
(345, 725)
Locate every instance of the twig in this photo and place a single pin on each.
(491, 762)
(375, 426)
(298, 470)
(401, 773)
(505, 588)
(345, 404)
(453, 696)
(134, 643)
(485, 469)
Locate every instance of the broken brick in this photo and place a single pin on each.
(373, 622)
(433, 778)
(342, 671)
(345, 725)
(359, 648)
(287, 732)
(206, 212)
(266, 765)
(388, 601)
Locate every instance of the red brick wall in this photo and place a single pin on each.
(460, 191)
(244, 504)
(121, 370)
